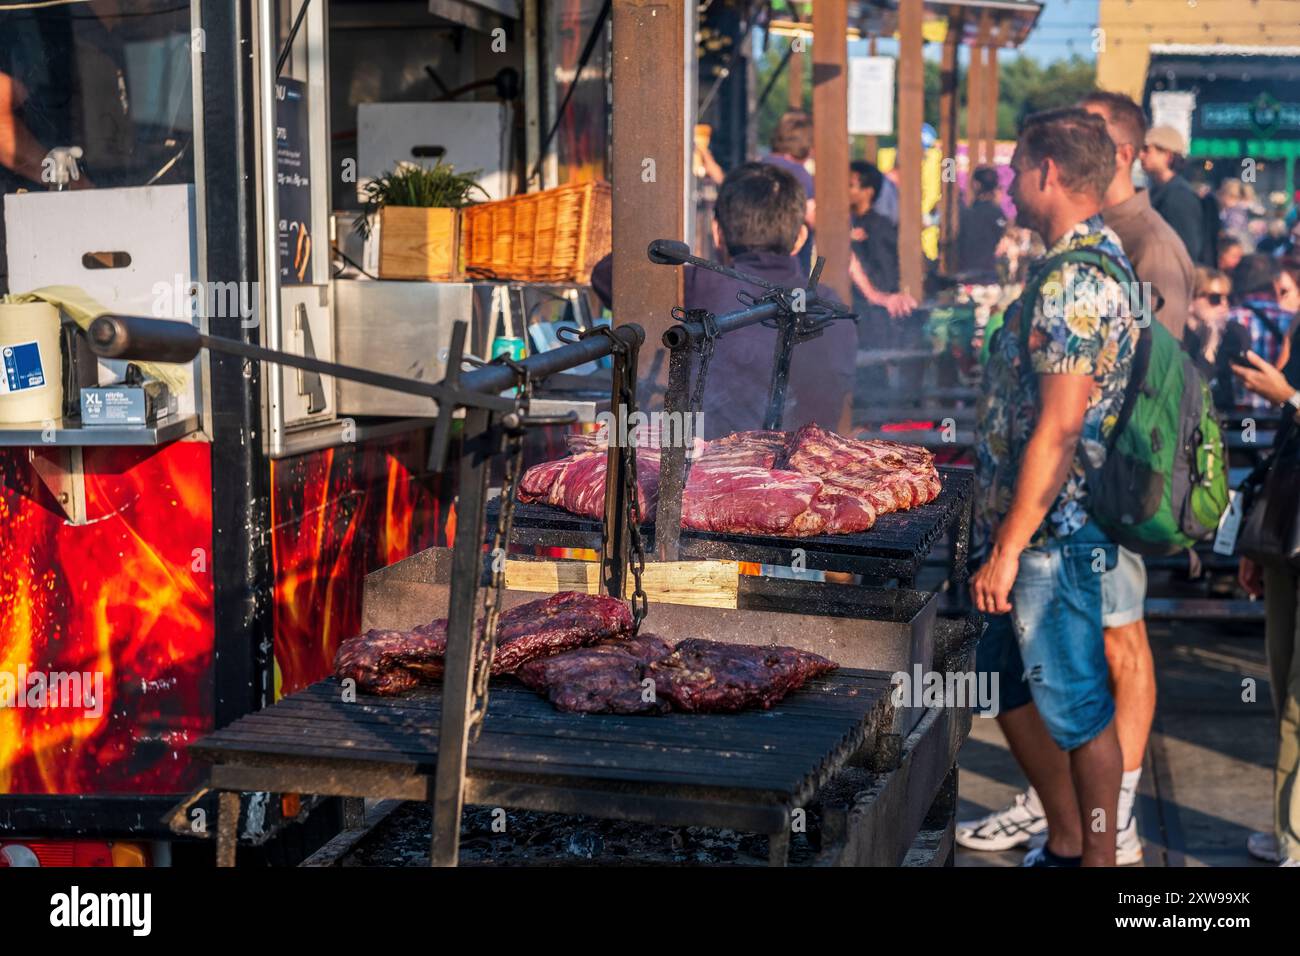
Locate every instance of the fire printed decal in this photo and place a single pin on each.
(336, 515)
(118, 609)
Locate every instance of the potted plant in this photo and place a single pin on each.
(419, 220)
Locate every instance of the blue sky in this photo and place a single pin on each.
(1064, 27)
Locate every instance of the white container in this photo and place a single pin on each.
(31, 364)
(133, 250)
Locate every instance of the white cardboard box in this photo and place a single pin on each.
(471, 136)
(61, 238)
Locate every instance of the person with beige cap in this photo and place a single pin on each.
(1172, 196)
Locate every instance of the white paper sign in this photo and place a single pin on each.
(1173, 108)
(1225, 541)
(871, 95)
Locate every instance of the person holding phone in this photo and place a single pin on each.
(1278, 385)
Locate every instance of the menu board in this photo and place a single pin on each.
(293, 182)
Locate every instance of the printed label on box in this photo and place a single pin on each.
(22, 368)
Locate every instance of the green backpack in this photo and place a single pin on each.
(1164, 484)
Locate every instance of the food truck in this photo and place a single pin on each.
(186, 546)
(195, 563)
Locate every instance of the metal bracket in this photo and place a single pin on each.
(61, 471)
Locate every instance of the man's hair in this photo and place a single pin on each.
(869, 175)
(1226, 240)
(760, 208)
(793, 135)
(1123, 114)
(1077, 141)
(1206, 276)
(986, 180)
(1255, 273)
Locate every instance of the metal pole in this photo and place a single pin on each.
(480, 442)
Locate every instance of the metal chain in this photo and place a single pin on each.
(484, 643)
(639, 600)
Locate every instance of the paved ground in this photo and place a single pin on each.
(1208, 772)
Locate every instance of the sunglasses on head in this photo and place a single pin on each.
(1214, 298)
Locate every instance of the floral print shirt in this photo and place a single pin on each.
(1082, 324)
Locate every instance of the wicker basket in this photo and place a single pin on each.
(552, 236)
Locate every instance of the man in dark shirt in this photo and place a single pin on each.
(792, 144)
(759, 225)
(1171, 194)
(982, 226)
(874, 238)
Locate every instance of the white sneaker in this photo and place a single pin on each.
(1007, 828)
(1263, 846)
(1128, 846)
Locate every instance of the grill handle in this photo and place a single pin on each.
(153, 340)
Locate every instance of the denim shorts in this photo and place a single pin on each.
(1124, 590)
(1050, 648)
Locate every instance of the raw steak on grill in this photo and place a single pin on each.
(751, 501)
(888, 475)
(558, 623)
(392, 662)
(577, 483)
(602, 679)
(759, 482)
(711, 677)
(753, 449)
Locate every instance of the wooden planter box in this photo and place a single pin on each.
(417, 243)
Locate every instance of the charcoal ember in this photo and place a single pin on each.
(605, 678)
(558, 623)
(703, 676)
(392, 662)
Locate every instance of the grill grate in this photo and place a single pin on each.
(896, 547)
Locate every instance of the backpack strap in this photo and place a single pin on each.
(1115, 269)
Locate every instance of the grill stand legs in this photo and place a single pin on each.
(448, 797)
(227, 827)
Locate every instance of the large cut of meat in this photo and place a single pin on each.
(558, 623)
(889, 475)
(603, 679)
(392, 662)
(577, 483)
(711, 677)
(740, 500)
(759, 483)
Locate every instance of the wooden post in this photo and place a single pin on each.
(977, 95)
(831, 140)
(911, 108)
(651, 141)
(949, 204)
(991, 104)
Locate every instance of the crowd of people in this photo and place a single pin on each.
(1065, 633)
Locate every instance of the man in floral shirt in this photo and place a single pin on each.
(1051, 399)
